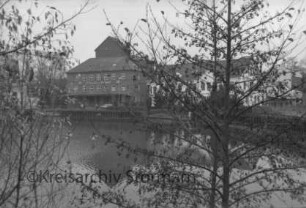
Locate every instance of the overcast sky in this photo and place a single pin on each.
(91, 26)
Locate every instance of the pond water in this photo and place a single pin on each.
(94, 145)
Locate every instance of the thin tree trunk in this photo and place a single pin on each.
(214, 173)
(214, 140)
(225, 140)
(20, 167)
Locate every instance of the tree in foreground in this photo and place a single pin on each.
(235, 157)
(29, 140)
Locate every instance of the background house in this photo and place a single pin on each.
(202, 78)
(289, 84)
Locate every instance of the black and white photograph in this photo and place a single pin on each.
(152, 104)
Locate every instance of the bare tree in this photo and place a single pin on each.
(237, 161)
(30, 141)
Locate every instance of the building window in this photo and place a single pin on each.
(84, 77)
(98, 78)
(209, 86)
(98, 87)
(113, 88)
(154, 89)
(134, 78)
(123, 88)
(113, 76)
(106, 77)
(84, 88)
(122, 76)
(92, 87)
(203, 86)
(137, 87)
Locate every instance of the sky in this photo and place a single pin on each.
(91, 26)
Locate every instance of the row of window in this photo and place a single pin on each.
(99, 87)
(105, 77)
(203, 86)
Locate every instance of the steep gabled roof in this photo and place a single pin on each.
(110, 47)
(110, 56)
(104, 64)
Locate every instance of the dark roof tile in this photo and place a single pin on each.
(104, 64)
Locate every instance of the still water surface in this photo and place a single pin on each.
(89, 147)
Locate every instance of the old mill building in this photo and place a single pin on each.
(109, 79)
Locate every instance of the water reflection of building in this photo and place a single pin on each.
(109, 79)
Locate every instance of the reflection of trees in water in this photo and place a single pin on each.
(102, 151)
(178, 143)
